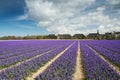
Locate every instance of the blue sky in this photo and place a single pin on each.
(10, 11)
(33, 17)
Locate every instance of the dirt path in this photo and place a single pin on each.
(78, 75)
(115, 68)
(42, 69)
(28, 59)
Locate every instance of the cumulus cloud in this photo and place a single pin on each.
(65, 16)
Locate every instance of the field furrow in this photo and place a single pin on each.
(26, 60)
(60, 60)
(94, 67)
(78, 75)
(110, 56)
(25, 69)
(63, 67)
(115, 68)
(41, 69)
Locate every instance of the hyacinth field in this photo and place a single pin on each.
(58, 59)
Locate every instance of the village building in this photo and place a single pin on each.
(93, 35)
(117, 35)
(108, 35)
(50, 36)
(64, 36)
(79, 36)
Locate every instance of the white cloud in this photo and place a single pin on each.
(108, 28)
(23, 17)
(40, 11)
(64, 16)
(113, 2)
